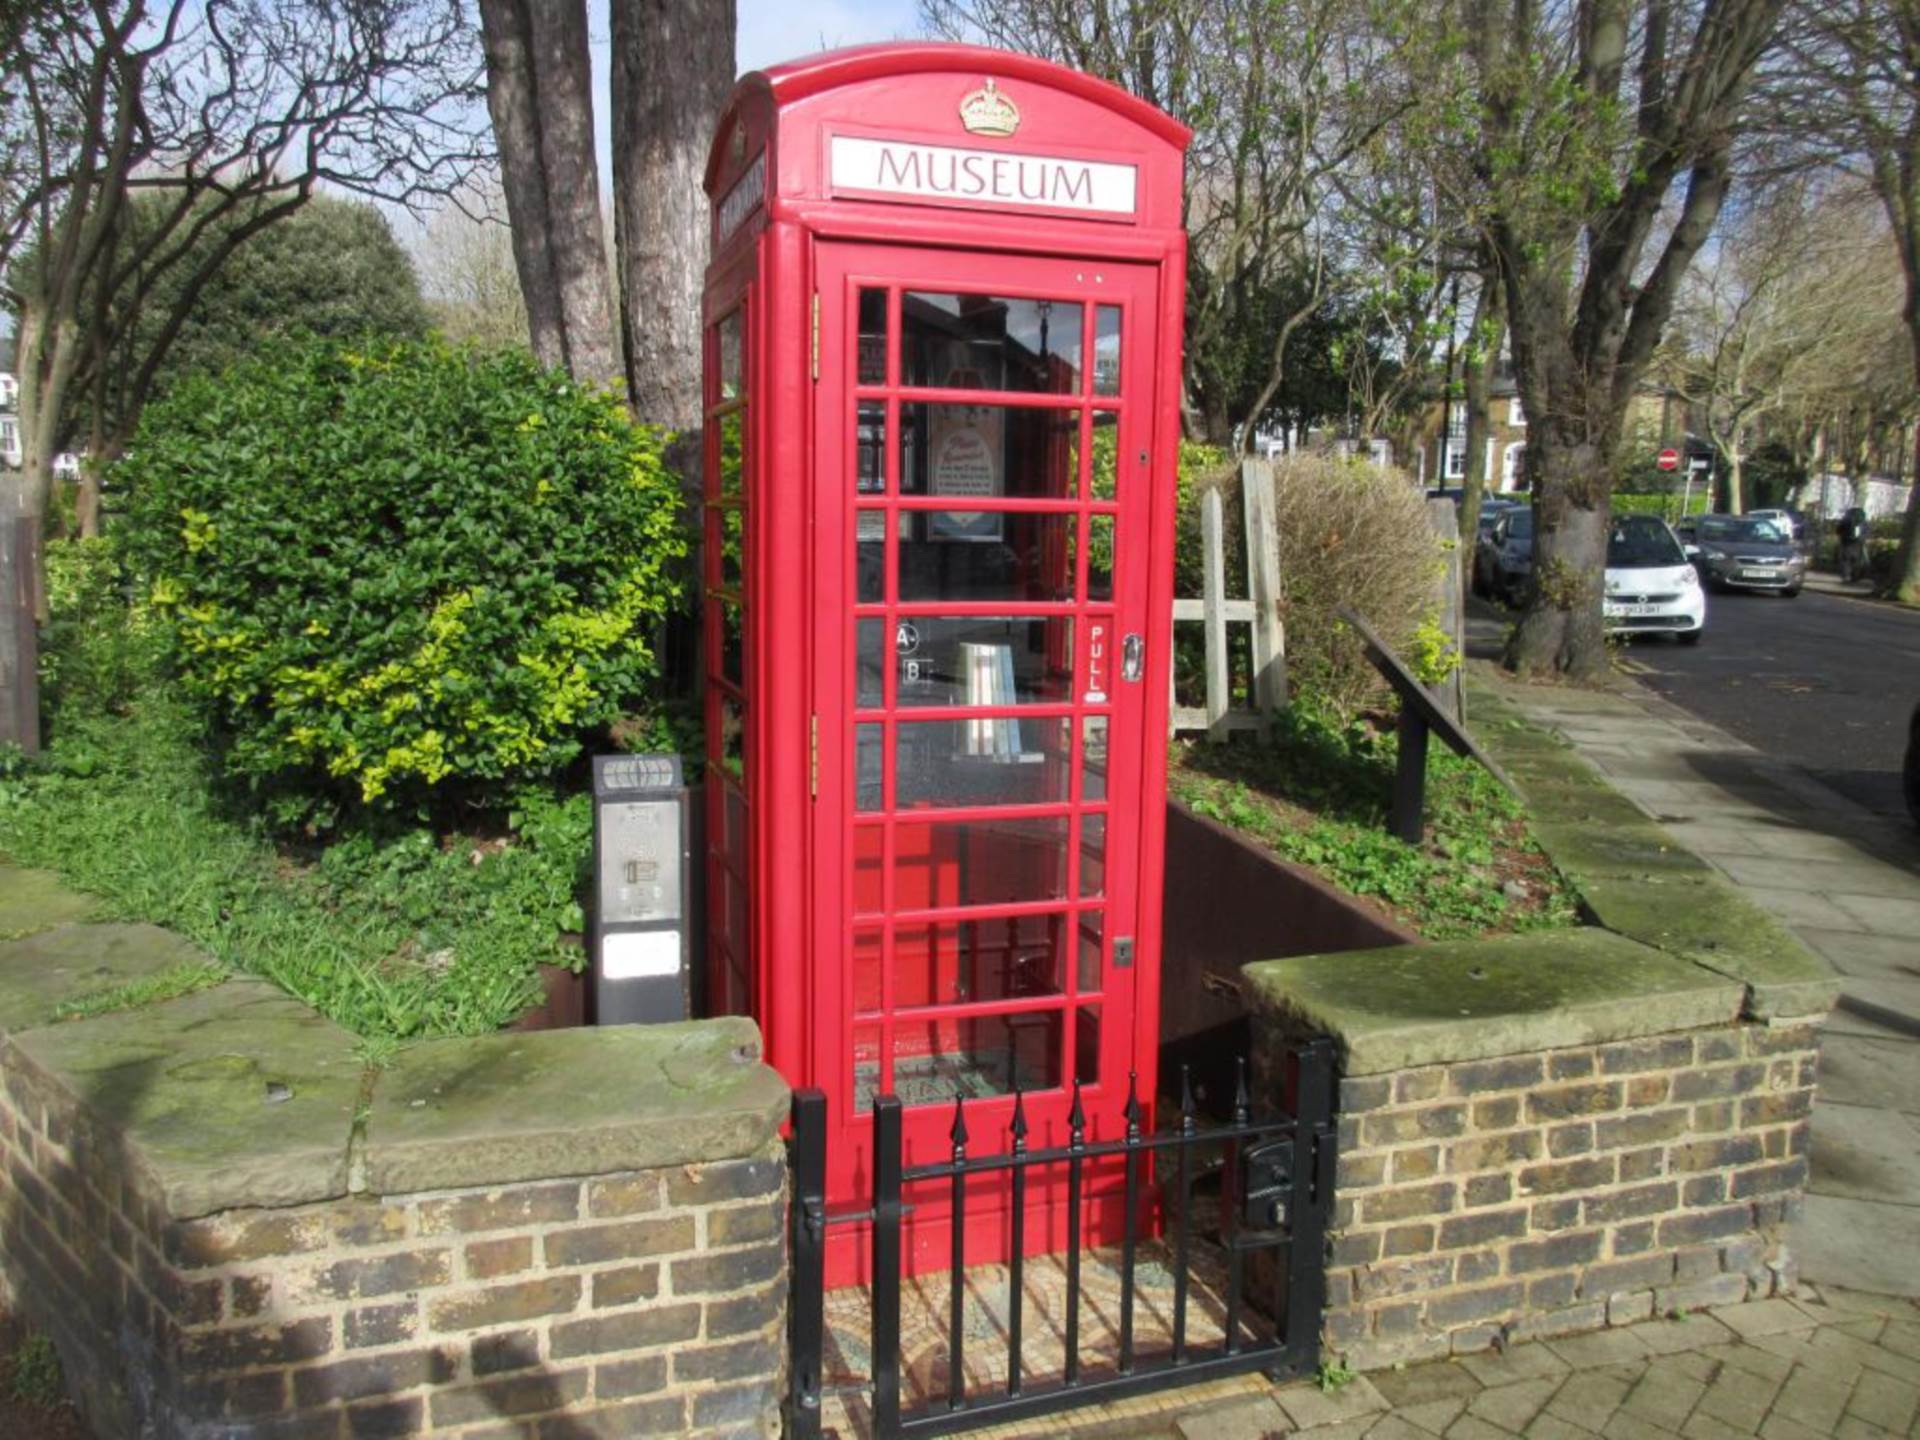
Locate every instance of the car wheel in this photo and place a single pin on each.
(1791, 591)
(1691, 637)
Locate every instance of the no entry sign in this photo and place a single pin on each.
(1668, 460)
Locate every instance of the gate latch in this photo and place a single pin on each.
(1266, 1177)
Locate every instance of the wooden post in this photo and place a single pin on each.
(1214, 616)
(1263, 587)
(19, 634)
(1408, 819)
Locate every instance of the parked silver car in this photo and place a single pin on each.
(1744, 552)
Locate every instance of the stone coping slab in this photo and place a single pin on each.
(1455, 1000)
(71, 962)
(33, 900)
(1638, 880)
(503, 1108)
(239, 1095)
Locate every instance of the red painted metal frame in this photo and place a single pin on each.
(800, 248)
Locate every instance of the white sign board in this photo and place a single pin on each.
(911, 170)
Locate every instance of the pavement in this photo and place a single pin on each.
(1842, 877)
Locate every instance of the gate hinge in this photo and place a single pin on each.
(813, 756)
(814, 349)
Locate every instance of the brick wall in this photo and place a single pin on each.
(646, 1302)
(1561, 1191)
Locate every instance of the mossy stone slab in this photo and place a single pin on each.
(33, 900)
(1710, 923)
(1456, 1000)
(39, 973)
(1621, 851)
(235, 1096)
(498, 1109)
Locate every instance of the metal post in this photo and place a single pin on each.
(886, 1265)
(1408, 819)
(807, 1221)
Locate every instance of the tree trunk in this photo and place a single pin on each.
(1736, 479)
(1488, 331)
(563, 84)
(672, 68)
(1562, 633)
(513, 104)
(1906, 566)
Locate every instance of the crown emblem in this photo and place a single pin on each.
(987, 112)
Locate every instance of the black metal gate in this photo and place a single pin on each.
(1275, 1192)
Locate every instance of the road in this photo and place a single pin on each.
(1821, 681)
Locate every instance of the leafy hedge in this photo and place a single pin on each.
(396, 573)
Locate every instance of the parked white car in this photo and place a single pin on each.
(1652, 588)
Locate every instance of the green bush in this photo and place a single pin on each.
(401, 575)
(1666, 506)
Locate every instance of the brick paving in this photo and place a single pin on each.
(1826, 1363)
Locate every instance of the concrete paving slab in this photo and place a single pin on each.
(1865, 1244)
(1800, 909)
(495, 1109)
(1867, 1154)
(72, 962)
(1872, 1026)
(1870, 957)
(1855, 1070)
(1894, 1004)
(1838, 879)
(237, 1096)
(1882, 915)
(33, 900)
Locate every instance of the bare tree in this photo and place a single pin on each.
(540, 94)
(673, 63)
(467, 272)
(1852, 97)
(223, 116)
(1601, 145)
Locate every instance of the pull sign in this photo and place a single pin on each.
(1133, 658)
(1096, 664)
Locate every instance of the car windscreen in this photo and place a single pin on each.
(1742, 530)
(1520, 525)
(1641, 542)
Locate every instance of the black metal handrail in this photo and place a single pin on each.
(1295, 1224)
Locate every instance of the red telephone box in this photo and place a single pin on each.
(942, 381)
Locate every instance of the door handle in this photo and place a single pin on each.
(1133, 657)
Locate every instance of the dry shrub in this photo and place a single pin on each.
(1351, 533)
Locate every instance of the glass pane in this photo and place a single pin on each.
(982, 555)
(1100, 557)
(732, 377)
(981, 762)
(997, 660)
(867, 958)
(1093, 854)
(869, 869)
(1093, 757)
(986, 342)
(732, 525)
(1092, 952)
(870, 534)
(736, 825)
(732, 451)
(738, 939)
(873, 337)
(978, 960)
(869, 1076)
(937, 1061)
(869, 655)
(732, 643)
(1106, 349)
(974, 862)
(733, 737)
(870, 449)
(1105, 478)
(1086, 1045)
(866, 767)
(982, 451)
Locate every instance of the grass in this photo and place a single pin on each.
(170, 984)
(400, 934)
(1317, 793)
(35, 1378)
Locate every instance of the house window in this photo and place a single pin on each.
(1516, 416)
(9, 442)
(1453, 449)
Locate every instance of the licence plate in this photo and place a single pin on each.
(1630, 611)
(1759, 574)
